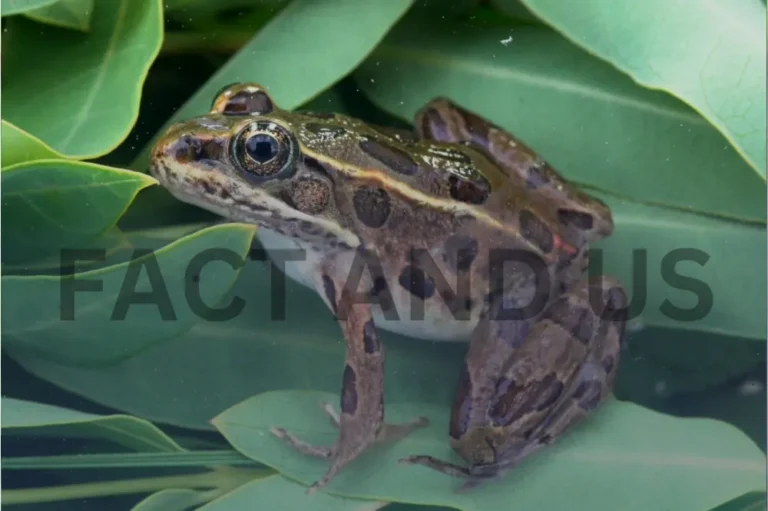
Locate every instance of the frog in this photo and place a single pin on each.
(453, 231)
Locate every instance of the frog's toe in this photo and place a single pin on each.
(332, 414)
(302, 446)
(436, 464)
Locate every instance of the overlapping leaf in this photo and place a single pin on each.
(624, 452)
(111, 313)
(591, 122)
(18, 146)
(79, 92)
(49, 205)
(131, 432)
(710, 54)
(72, 14)
(11, 7)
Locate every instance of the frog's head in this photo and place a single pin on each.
(242, 160)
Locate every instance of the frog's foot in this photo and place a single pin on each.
(471, 480)
(385, 433)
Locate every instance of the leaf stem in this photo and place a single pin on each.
(217, 479)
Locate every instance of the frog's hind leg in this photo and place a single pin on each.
(444, 121)
(552, 374)
(361, 421)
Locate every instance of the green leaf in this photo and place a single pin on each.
(308, 346)
(682, 463)
(265, 492)
(88, 85)
(38, 419)
(11, 7)
(710, 54)
(752, 501)
(590, 121)
(173, 500)
(18, 146)
(100, 316)
(322, 39)
(53, 204)
(738, 298)
(73, 14)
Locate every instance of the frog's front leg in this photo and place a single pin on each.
(361, 421)
(526, 383)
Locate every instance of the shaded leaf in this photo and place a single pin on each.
(752, 501)
(689, 463)
(134, 433)
(173, 500)
(710, 55)
(53, 204)
(591, 122)
(323, 40)
(726, 300)
(18, 146)
(90, 112)
(264, 493)
(73, 14)
(105, 315)
(11, 7)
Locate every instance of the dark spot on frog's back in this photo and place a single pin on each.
(461, 405)
(588, 394)
(370, 339)
(372, 206)
(391, 157)
(608, 363)
(468, 191)
(537, 397)
(536, 231)
(417, 282)
(349, 391)
(535, 178)
(577, 219)
(460, 252)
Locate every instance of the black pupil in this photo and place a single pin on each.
(261, 148)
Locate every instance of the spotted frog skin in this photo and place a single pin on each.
(455, 232)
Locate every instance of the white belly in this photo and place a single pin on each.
(434, 326)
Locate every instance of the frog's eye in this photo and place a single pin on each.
(222, 90)
(242, 99)
(264, 150)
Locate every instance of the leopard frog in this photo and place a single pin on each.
(456, 231)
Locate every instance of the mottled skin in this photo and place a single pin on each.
(398, 226)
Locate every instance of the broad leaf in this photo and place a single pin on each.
(105, 315)
(322, 40)
(590, 121)
(37, 418)
(11, 7)
(49, 205)
(73, 14)
(88, 85)
(679, 247)
(710, 54)
(265, 492)
(689, 463)
(173, 500)
(752, 501)
(18, 146)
